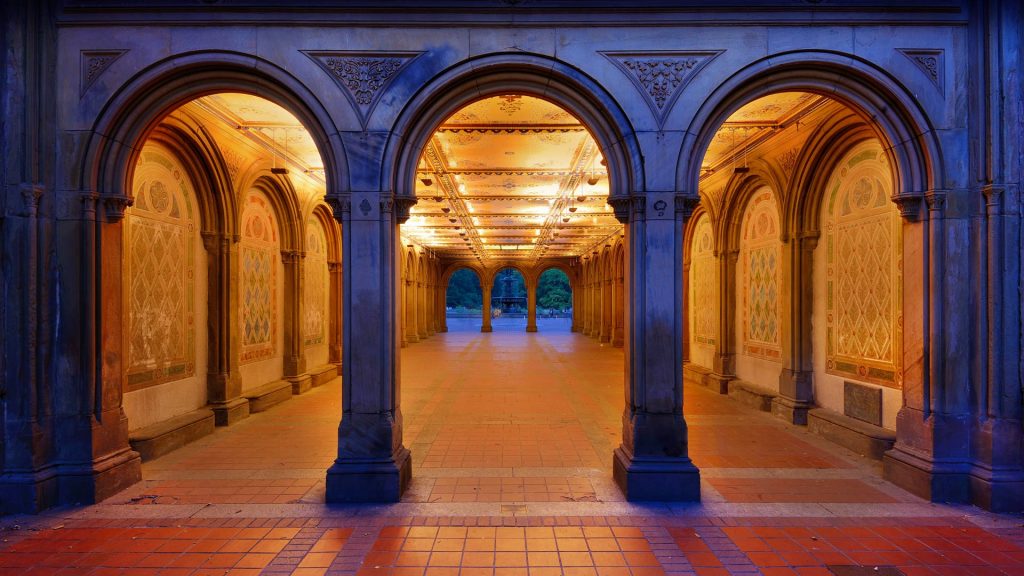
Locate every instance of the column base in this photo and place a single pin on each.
(664, 480)
(531, 328)
(300, 384)
(486, 329)
(230, 411)
(412, 339)
(934, 481)
(617, 342)
(717, 382)
(365, 480)
(792, 411)
(997, 490)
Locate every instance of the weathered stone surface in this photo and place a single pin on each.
(863, 403)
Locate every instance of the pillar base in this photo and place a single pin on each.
(370, 480)
(486, 329)
(934, 481)
(230, 411)
(717, 382)
(792, 411)
(300, 384)
(650, 479)
(531, 328)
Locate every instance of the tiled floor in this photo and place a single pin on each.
(511, 435)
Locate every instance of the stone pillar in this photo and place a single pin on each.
(421, 309)
(223, 380)
(294, 305)
(796, 380)
(930, 457)
(577, 306)
(724, 369)
(411, 331)
(652, 462)
(606, 311)
(372, 463)
(431, 303)
(997, 477)
(485, 307)
(335, 321)
(588, 308)
(617, 319)
(531, 306)
(442, 309)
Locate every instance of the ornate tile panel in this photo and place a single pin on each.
(703, 284)
(317, 284)
(864, 270)
(760, 252)
(259, 254)
(160, 273)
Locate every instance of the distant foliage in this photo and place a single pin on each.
(553, 291)
(464, 290)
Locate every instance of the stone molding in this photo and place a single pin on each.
(930, 62)
(362, 76)
(661, 76)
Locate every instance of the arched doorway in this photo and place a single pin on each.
(554, 299)
(464, 299)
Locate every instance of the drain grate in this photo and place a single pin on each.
(845, 570)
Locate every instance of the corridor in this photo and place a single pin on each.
(511, 435)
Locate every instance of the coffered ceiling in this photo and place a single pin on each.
(511, 176)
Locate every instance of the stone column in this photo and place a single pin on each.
(431, 303)
(335, 321)
(606, 311)
(421, 309)
(531, 306)
(411, 331)
(372, 463)
(652, 462)
(930, 457)
(724, 369)
(485, 307)
(796, 380)
(577, 306)
(588, 307)
(294, 305)
(617, 303)
(223, 380)
(442, 309)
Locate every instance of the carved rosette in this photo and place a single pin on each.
(929, 62)
(362, 76)
(661, 76)
(94, 63)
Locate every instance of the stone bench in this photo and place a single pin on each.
(863, 438)
(158, 439)
(268, 395)
(751, 395)
(323, 374)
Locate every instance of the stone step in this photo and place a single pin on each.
(863, 438)
(268, 395)
(158, 439)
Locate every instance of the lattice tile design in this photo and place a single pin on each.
(317, 284)
(259, 255)
(703, 285)
(760, 251)
(863, 300)
(160, 274)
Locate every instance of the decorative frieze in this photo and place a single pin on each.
(362, 76)
(661, 76)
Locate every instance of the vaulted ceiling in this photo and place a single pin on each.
(507, 177)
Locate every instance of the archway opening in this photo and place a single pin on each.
(554, 299)
(794, 276)
(514, 187)
(230, 295)
(464, 300)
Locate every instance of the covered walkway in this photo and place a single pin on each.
(511, 435)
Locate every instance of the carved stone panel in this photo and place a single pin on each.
(661, 76)
(362, 76)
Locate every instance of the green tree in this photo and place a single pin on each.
(464, 290)
(553, 291)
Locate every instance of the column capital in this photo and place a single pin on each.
(909, 205)
(292, 256)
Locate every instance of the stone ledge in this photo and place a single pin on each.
(863, 438)
(158, 439)
(268, 395)
(323, 374)
(751, 395)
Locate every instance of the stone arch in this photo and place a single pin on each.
(569, 272)
(739, 192)
(491, 272)
(284, 199)
(867, 89)
(525, 73)
(137, 107)
(454, 267)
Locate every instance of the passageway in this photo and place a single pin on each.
(508, 421)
